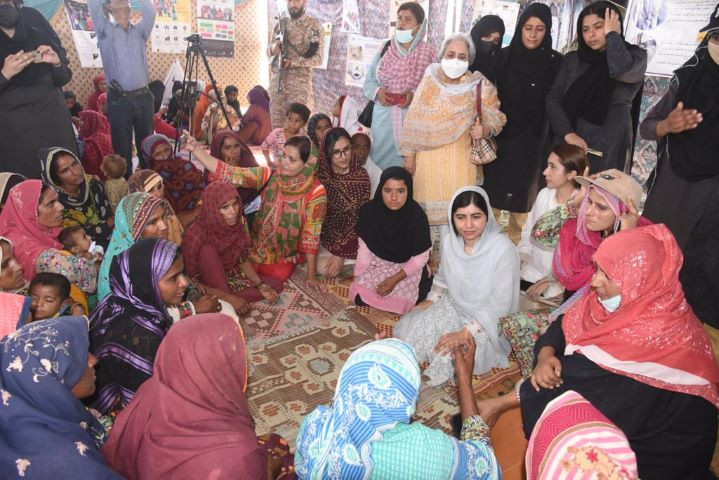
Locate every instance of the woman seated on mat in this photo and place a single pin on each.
(632, 347)
(141, 215)
(441, 124)
(367, 432)
(361, 147)
(609, 202)
(480, 272)
(12, 279)
(148, 181)
(256, 123)
(391, 271)
(573, 439)
(183, 181)
(348, 188)
(7, 181)
(45, 370)
(317, 125)
(83, 196)
(32, 219)
(95, 133)
(191, 419)
(217, 247)
(565, 162)
(287, 227)
(128, 325)
(229, 147)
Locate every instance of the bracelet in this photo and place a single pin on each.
(516, 390)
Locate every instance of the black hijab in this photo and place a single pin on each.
(589, 96)
(527, 75)
(488, 54)
(394, 235)
(693, 153)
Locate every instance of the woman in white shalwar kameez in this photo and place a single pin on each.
(478, 289)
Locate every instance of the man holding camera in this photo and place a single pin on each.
(296, 48)
(130, 105)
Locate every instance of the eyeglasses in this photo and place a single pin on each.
(347, 151)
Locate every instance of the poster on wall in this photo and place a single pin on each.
(216, 26)
(83, 34)
(172, 25)
(326, 39)
(350, 17)
(667, 30)
(360, 53)
(507, 11)
(394, 5)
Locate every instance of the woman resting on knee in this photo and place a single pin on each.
(191, 419)
(147, 181)
(348, 188)
(286, 229)
(367, 432)
(217, 247)
(479, 272)
(45, 370)
(128, 325)
(633, 347)
(391, 271)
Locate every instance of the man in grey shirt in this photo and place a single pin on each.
(130, 104)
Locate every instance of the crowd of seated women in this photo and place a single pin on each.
(123, 294)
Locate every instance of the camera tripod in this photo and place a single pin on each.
(189, 93)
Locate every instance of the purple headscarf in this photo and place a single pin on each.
(259, 96)
(127, 326)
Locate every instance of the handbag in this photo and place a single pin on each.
(484, 150)
(365, 118)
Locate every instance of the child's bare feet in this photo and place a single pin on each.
(491, 409)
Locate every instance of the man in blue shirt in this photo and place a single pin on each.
(130, 105)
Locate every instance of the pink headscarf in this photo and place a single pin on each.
(191, 418)
(654, 336)
(18, 222)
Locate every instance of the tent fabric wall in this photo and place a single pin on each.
(242, 71)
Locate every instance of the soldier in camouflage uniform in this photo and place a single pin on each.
(303, 50)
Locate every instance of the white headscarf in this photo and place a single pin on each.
(349, 116)
(471, 278)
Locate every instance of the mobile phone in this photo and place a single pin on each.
(38, 55)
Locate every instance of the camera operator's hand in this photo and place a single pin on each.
(16, 63)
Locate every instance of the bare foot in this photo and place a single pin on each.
(380, 336)
(491, 409)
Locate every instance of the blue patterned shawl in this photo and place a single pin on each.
(45, 432)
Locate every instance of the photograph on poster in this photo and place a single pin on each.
(360, 53)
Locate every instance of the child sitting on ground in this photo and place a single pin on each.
(114, 167)
(297, 117)
(76, 241)
(50, 294)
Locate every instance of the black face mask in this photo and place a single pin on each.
(486, 47)
(8, 15)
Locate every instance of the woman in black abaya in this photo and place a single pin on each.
(33, 114)
(527, 71)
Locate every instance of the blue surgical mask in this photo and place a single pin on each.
(403, 36)
(612, 303)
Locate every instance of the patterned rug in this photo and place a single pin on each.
(299, 306)
(292, 373)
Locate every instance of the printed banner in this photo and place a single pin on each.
(394, 5)
(507, 11)
(172, 26)
(667, 30)
(216, 26)
(360, 53)
(83, 33)
(326, 39)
